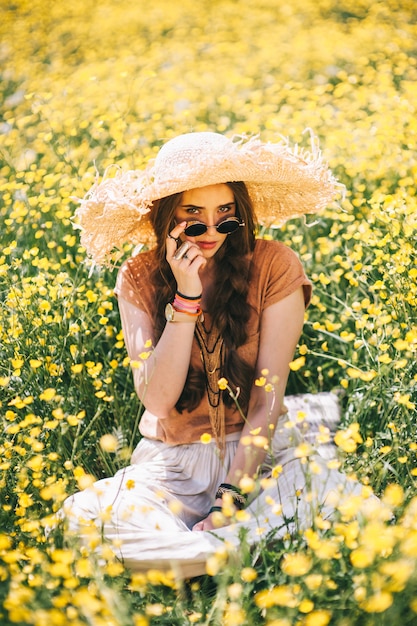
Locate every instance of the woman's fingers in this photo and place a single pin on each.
(173, 239)
(185, 259)
(207, 524)
(178, 249)
(182, 251)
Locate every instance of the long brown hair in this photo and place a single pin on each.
(229, 310)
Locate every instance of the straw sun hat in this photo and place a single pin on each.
(282, 182)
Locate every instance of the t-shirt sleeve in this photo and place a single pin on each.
(132, 283)
(285, 274)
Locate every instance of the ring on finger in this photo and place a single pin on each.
(169, 236)
(182, 251)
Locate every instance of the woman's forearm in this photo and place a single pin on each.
(277, 345)
(159, 373)
(161, 378)
(253, 446)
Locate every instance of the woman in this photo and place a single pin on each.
(221, 310)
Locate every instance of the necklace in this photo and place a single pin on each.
(212, 355)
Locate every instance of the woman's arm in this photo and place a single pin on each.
(159, 379)
(281, 327)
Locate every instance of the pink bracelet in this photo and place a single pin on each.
(187, 305)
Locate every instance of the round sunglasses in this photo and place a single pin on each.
(226, 227)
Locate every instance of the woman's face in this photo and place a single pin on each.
(209, 205)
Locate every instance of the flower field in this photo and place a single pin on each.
(91, 83)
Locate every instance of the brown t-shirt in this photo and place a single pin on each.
(275, 273)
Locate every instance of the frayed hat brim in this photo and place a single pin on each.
(283, 183)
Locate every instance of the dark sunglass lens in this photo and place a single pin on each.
(194, 230)
(227, 227)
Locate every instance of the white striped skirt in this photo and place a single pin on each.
(148, 509)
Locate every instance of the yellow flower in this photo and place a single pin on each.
(48, 394)
(109, 443)
(377, 603)
(17, 362)
(259, 441)
(276, 471)
(318, 618)
(297, 564)
(242, 516)
(234, 615)
(361, 557)
(35, 463)
(114, 568)
(83, 568)
(303, 450)
(222, 383)
(141, 620)
(399, 572)
(384, 358)
(205, 438)
(404, 399)
(314, 581)
(333, 464)
(248, 574)
(393, 495)
(297, 364)
(218, 517)
(214, 564)
(175, 506)
(349, 438)
(353, 372)
(281, 595)
(247, 484)
(350, 506)
(306, 606)
(234, 591)
(138, 582)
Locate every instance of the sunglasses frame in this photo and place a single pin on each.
(232, 219)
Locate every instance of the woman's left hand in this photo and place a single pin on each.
(207, 523)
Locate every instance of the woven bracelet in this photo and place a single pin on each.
(239, 498)
(215, 508)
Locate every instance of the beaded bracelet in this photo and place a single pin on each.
(239, 498)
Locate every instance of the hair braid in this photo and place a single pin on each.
(229, 310)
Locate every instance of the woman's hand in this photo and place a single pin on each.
(185, 262)
(207, 523)
(204, 524)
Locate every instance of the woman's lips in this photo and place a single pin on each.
(207, 245)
